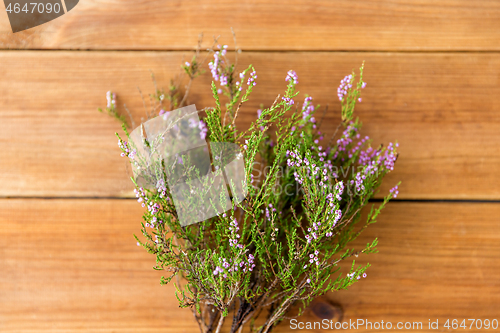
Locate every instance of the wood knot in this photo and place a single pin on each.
(325, 309)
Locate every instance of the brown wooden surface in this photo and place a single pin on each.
(442, 108)
(73, 266)
(416, 25)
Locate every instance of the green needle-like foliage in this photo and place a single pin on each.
(281, 246)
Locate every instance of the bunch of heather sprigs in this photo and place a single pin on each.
(282, 245)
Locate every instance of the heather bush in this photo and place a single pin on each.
(282, 245)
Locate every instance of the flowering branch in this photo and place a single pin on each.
(283, 243)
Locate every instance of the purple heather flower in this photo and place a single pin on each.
(389, 157)
(288, 100)
(292, 76)
(223, 80)
(394, 191)
(345, 84)
(307, 108)
(251, 79)
(358, 181)
(127, 150)
(141, 195)
(203, 129)
(363, 85)
(161, 187)
(111, 99)
(192, 123)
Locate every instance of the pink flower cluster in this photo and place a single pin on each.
(339, 189)
(313, 235)
(307, 108)
(215, 66)
(366, 156)
(252, 78)
(153, 207)
(233, 229)
(369, 158)
(389, 157)
(358, 182)
(345, 139)
(141, 195)
(154, 222)
(126, 150)
(322, 154)
(193, 123)
(333, 223)
(269, 210)
(351, 275)
(358, 146)
(313, 257)
(288, 100)
(227, 267)
(259, 113)
(203, 129)
(345, 85)
(111, 97)
(292, 76)
(295, 160)
(161, 187)
(239, 84)
(394, 191)
(316, 227)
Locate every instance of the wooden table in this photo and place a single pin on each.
(68, 261)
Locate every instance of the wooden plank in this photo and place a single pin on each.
(73, 266)
(437, 261)
(367, 25)
(441, 108)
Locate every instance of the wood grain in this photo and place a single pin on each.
(369, 25)
(70, 264)
(73, 266)
(442, 108)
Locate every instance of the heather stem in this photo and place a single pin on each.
(219, 325)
